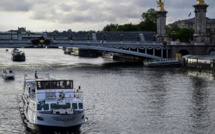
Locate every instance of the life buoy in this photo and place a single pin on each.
(62, 95)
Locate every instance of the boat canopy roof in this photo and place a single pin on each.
(202, 57)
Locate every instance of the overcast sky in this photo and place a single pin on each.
(83, 15)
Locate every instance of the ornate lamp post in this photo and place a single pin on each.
(121, 37)
(54, 34)
(104, 36)
(154, 38)
(138, 38)
(173, 36)
(88, 36)
(28, 35)
(71, 36)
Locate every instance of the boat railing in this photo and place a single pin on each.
(32, 96)
(78, 94)
(36, 75)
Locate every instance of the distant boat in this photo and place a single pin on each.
(108, 55)
(159, 63)
(18, 55)
(8, 73)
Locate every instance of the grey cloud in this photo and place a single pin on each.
(65, 7)
(110, 11)
(18, 5)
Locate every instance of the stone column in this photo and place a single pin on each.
(200, 36)
(161, 26)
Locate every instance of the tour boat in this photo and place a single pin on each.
(18, 55)
(51, 102)
(8, 73)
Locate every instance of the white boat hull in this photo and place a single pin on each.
(53, 120)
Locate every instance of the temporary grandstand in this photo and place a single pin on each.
(105, 36)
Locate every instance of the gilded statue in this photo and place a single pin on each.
(200, 2)
(160, 5)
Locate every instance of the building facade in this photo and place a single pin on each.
(189, 23)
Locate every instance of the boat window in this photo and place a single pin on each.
(39, 107)
(63, 106)
(74, 106)
(54, 106)
(63, 84)
(68, 105)
(40, 85)
(46, 107)
(48, 84)
(69, 85)
(54, 84)
(43, 106)
(80, 105)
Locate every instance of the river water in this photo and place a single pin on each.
(119, 98)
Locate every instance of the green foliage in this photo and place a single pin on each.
(150, 16)
(183, 34)
(110, 27)
(148, 24)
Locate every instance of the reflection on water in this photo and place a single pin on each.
(205, 75)
(199, 115)
(118, 97)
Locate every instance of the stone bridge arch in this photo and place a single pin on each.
(184, 52)
(211, 51)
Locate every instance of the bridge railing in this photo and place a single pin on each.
(162, 60)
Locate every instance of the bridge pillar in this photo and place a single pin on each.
(161, 26)
(200, 36)
(161, 52)
(145, 50)
(153, 51)
(167, 55)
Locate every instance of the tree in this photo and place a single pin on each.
(110, 27)
(148, 24)
(183, 34)
(150, 16)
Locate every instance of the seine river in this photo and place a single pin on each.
(119, 98)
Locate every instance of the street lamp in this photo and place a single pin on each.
(71, 36)
(154, 38)
(202, 36)
(54, 34)
(88, 36)
(121, 36)
(173, 36)
(138, 38)
(28, 35)
(104, 36)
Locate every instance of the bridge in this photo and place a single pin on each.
(140, 49)
(140, 44)
(148, 50)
